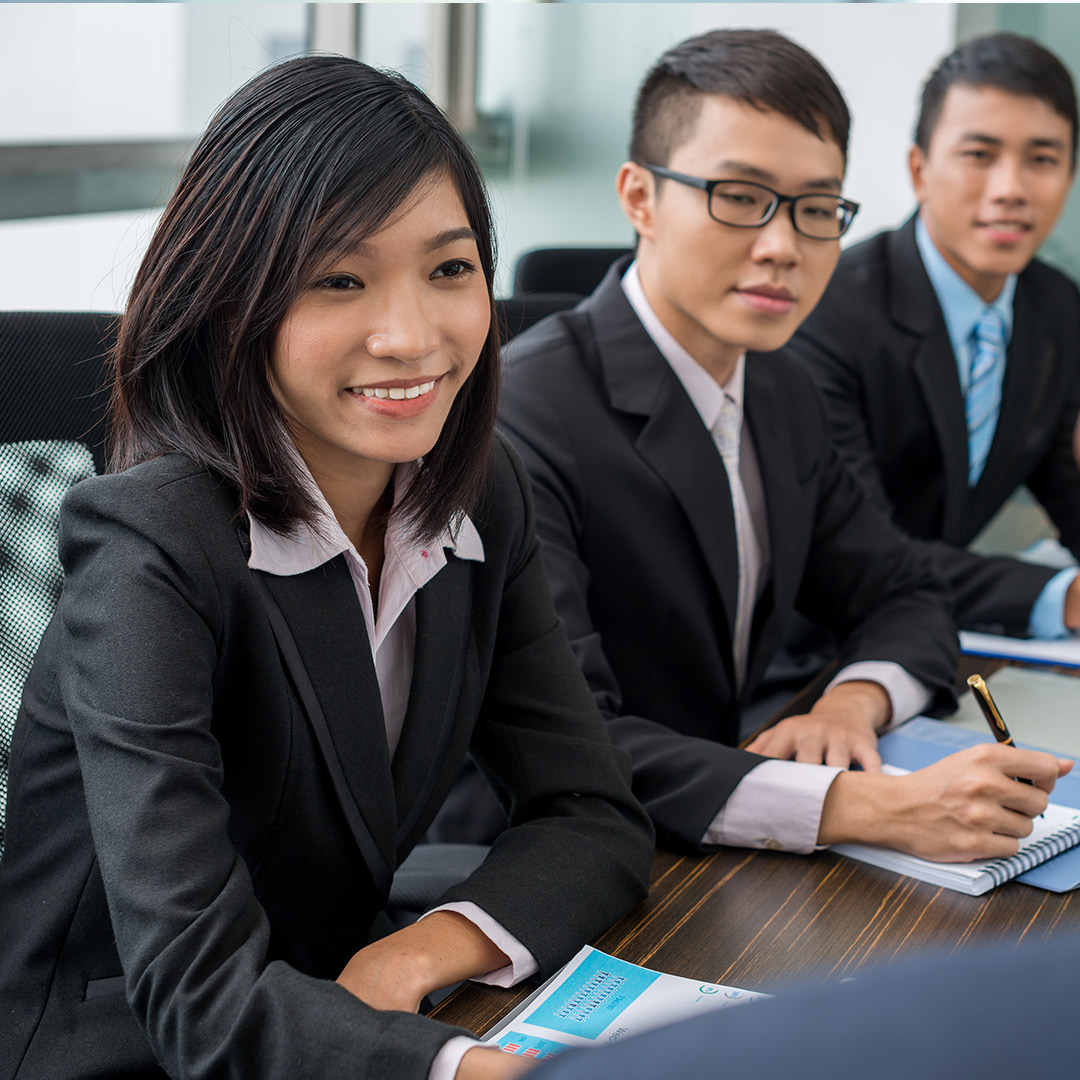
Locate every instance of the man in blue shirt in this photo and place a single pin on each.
(948, 356)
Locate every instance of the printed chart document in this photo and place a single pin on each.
(597, 999)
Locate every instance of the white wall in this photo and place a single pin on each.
(115, 72)
(564, 76)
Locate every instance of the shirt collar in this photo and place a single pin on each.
(702, 389)
(960, 303)
(310, 546)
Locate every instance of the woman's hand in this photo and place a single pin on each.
(480, 1063)
(397, 971)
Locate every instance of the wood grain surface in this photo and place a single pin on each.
(761, 920)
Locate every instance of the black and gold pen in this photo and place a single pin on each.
(993, 716)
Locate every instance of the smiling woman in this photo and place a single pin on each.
(371, 356)
(309, 587)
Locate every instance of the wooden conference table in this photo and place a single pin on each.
(760, 919)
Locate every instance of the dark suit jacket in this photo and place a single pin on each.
(634, 512)
(995, 1013)
(204, 804)
(879, 350)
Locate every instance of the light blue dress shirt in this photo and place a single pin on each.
(961, 305)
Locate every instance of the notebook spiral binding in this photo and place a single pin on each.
(1002, 870)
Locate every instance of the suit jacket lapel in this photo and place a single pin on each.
(443, 613)
(1032, 358)
(672, 439)
(320, 632)
(777, 458)
(914, 306)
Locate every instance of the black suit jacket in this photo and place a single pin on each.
(634, 512)
(879, 350)
(203, 817)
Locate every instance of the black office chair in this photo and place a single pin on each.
(564, 270)
(519, 312)
(52, 435)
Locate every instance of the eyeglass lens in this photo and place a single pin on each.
(735, 203)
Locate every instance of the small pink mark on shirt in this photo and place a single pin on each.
(423, 554)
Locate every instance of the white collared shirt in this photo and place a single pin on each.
(778, 804)
(407, 568)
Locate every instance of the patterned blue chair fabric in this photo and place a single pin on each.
(52, 435)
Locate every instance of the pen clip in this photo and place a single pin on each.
(990, 710)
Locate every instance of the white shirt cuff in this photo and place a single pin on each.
(447, 1060)
(522, 963)
(776, 805)
(907, 695)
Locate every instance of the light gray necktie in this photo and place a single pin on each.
(727, 435)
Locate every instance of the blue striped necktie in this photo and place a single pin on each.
(984, 389)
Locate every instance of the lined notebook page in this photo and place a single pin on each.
(1056, 831)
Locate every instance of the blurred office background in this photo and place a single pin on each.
(101, 103)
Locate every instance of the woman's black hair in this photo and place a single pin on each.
(301, 162)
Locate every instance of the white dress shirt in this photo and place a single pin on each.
(778, 804)
(391, 632)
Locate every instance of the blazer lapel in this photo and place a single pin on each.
(1032, 358)
(914, 306)
(443, 616)
(321, 635)
(788, 521)
(672, 440)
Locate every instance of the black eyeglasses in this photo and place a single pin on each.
(745, 205)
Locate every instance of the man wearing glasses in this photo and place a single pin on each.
(948, 356)
(688, 498)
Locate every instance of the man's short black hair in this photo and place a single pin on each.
(759, 67)
(1006, 62)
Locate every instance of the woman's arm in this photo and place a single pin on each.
(152, 572)
(397, 971)
(580, 846)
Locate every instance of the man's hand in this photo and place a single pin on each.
(965, 807)
(480, 1063)
(841, 729)
(397, 971)
(1072, 600)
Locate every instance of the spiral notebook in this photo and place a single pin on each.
(1056, 831)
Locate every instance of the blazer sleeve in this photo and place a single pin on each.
(141, 620)
(867, 582)
(579, 848)
(994, 593)
(1055, 481)
(682, 781)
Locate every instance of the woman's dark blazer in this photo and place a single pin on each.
(203, 817)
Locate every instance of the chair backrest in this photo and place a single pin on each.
(52, 434)
(520, 311)
(564, 270)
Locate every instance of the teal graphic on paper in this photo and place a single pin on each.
(597, 991)
(530, 1046)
